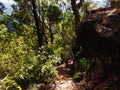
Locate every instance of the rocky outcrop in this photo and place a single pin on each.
(101, 32)
(99, 37)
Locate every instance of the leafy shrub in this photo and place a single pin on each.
(78, 75)
(85, 63)
(21, 62)
(43, 68)
(8, 84)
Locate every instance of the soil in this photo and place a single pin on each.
(65, 81)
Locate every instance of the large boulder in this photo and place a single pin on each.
(100, 33)
(99, 39)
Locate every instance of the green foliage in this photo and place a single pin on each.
(20, 61)
(43, 67)
(54, 13)
(85, 63)
(78, 75)
(63, 36)
(9, 84)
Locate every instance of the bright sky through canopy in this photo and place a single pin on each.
(7, 4)
(7, 1)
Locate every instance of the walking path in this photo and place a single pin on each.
(65, 81)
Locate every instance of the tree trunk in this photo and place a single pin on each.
(39, 32)
(75, 45)
(76, 15)
(41, 9)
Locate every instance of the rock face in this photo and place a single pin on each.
(99, 37)
(100, 32)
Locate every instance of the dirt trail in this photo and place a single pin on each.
(65, 81)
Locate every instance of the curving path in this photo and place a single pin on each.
(65, 81)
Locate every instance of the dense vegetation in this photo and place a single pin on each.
(36, 37)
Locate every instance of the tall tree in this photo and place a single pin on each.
(54, 15)
(75, 7)
(39, 32)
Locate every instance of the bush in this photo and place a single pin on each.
(85, 63)
(8, 84)
(21, 62)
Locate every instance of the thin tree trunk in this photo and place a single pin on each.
(39, 32)
(76, 44)
(76, 15)
(41, 9)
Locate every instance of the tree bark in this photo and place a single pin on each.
(76, 44)
(39, 32)
(76, 15)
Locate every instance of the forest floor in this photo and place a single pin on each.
(65, 80)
